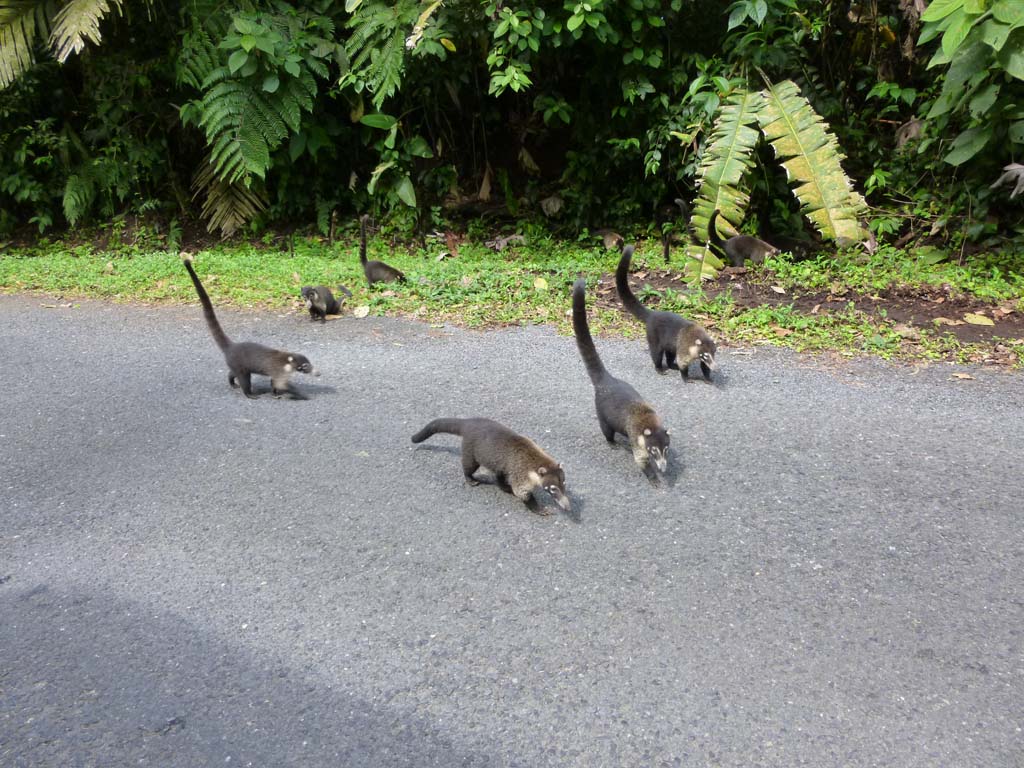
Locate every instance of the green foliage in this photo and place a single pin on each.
(982, 44)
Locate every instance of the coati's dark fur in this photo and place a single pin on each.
(244, 358)
(674, 341)
(666, 214)
(517, 462)
(739, 248)
(619, 407)
(321, 302)
(375, 271)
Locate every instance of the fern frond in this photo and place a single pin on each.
(21, 21)
(728, 155)
(376, 46)
(811, 156)
(78, 22)
(79, 194)
(228, 205)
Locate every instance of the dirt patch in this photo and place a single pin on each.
(936, 309)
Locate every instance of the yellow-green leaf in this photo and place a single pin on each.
(448, 44)
(540, 284)
(974, 319)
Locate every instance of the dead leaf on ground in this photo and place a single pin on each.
(362, 311)
(388, 293)
(540, 284)
(782, 332)
(466, 281)
(779, 289)
(815, 308)
(907, 331)
(296, 278)
(962, 376)
(499, 243)
(109, 268)
(976, 319)
(946, 321)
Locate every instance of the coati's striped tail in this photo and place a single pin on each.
(447, 426)
(595, 368)
(211, 319)
(629, 301)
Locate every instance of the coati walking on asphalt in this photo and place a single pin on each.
(619, 407)
(739, 248)
(245, 358)
(669, 336)
(517, 462)
(375, 271)
(321, 302)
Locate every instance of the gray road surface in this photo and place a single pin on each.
(190, 578)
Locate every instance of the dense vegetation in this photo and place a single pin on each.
(581, 114)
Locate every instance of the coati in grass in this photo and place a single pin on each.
(619, 407)
(244, 358)
(321, 302)
(666, 214)
(674, 341)
(739, 248)
(375, 271)
(517, 462)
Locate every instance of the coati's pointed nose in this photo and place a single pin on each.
(661, 464)
(710, 363)
(314, 372)
(563, 501)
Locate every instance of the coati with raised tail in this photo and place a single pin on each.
(518, 463)
(674, 341)
(244, 358)
(739, 248)
(321, 302)
(375, 271)
(619, 407)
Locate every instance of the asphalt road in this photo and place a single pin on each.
(189, 578)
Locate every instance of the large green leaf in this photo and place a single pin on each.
(21, 21)
(78, 23)
(728, 155)
(811, 157)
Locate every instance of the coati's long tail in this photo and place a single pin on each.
(629, 301)
(344, 290)
(362, 238)
(713, 236)
(448, 426)
(595, 368)
(211, 319)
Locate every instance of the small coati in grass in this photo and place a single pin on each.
(321, 302)
(375, 271)
(674, 341)
(518, 463)
(666, 214)
(245, 358)
(739, 248)
(619, 407)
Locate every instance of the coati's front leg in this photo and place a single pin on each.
(606, 429)
(670, 359)
(281, 387)
(245, 382)
(524, 492)
(706, 371)
(469, 466)
(231, 381)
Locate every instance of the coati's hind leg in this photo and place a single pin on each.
(469, 466)
(655, 349)
(606, 429)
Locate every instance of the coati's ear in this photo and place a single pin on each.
(542, 471)
(668, 431)
(647, 432)
(698, 342)
(290, 359)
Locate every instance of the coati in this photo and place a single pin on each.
(739, 248)
(619, 407)
(321, 302)
(375, 271)
(665, 215)
(245, 358)
(518, 463)
(670, 337)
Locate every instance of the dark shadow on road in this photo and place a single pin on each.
(88, 679)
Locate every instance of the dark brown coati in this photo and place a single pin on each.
(375, 271)
(321, 302)
(619, 407)
(739, 248)
(518, 463)
(665, 215)
(245, 358)
(674, 341)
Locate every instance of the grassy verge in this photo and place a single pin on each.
(527, 285)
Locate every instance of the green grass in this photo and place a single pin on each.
(482, 288)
